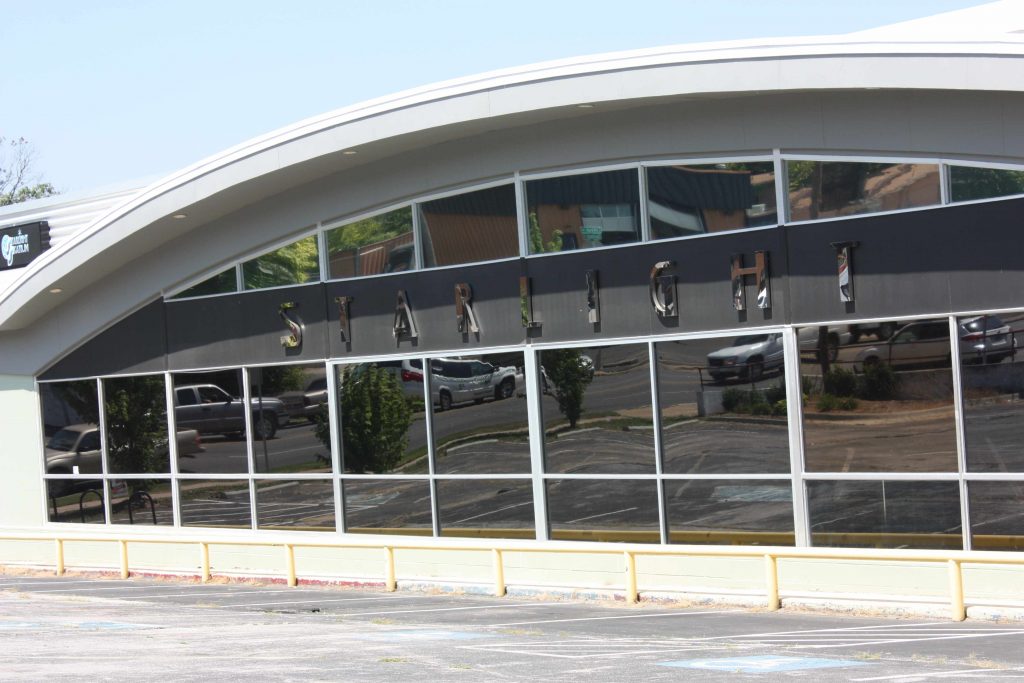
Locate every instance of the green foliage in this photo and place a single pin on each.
(276, 380)
(537, 243)
(136, 424)
(375, 420)
(982, 183)
(24, 194)
(840, 382)
(880, 383)
(569, 374)
(292, 264)
(755, 402)
(829, 402)
(370, 230)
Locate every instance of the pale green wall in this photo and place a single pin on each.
(21, 486)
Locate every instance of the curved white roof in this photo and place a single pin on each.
(911, 56)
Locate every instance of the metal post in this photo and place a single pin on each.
(632, 596)
(59, 569)
(390, 584)
(289, 551)
(124, 558)
(958, 611)
(771, 575)
(204, 549)
(499, 573)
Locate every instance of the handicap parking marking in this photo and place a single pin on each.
(756, 664)
(419, 634)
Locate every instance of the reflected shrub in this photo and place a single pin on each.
(769, 402)
(879, 383)
(829, 402)
(375, 419)
(840, 382)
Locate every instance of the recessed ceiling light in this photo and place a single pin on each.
(56, 290)
(584, 106)
(349, 152)
(180, 216)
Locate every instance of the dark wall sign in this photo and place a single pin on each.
(22, 244)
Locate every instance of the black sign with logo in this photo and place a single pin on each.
(21, 244)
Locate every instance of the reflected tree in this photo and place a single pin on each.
(375, 419)
(136, 424)
(292, 264)
(570, 373)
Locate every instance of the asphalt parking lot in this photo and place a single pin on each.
(76, 627)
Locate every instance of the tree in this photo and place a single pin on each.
(375, 419)
(570, 373)
(17, 182)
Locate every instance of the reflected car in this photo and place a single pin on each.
(925, 343)
(835, 337)
(408, 373)
(459, 381)
(747, 357)
(305, 404)
(210, 410)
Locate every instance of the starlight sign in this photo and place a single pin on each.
(21, 244)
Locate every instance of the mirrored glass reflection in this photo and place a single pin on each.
(694, 199)
(290, 432)
(135, 411)
(215, 503)
(388, 506)
(292, 264)
(885, 514)
(737, 512)
(723, 405)
(828, 189)
(480, 422)
(878, 398)
(209, 417)
(381, 417)
(78, 504)
(221, 283)
(141, 503)
(997, 514)
(303, 505)
(70, 412)
(992, 379)
(476, 226)
(597, 410)
(583, 211)
(967, 183)
(486, 508)
(379, 244)
(603, 510)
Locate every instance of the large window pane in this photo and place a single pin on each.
(827, 189)
(690, 200)
(583, 211)
(967, 183)
(221, 283)
(729, 512)
(381, 417)
(301, 505)
(477, 226)
(291, 432)
(885, 514)
(723, 405)
(388, 506)
(70, 416)
(603, 510)
(993, 382)
(997, 514)
(486, 508)
(597, 410)
(480, 422)
(207, 406)
(293, 264)
(215, 503)
(136, 422)
(142, 503)
(379, 244)
(878, 404)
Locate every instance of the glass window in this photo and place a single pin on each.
(221, 283)
(728, 512)
(875, 403)
(597, 410)
(388, 506)
(827, 189)
(381, 418)
(215, 503)
(689, 200)
(480, 422)
(379, 244)
(997, 520)
(210, 419)
(136, 424)
(583, 211)
(146, 503)
(603, 510)
(967, 183)
(293, 264)
(723, 405)
(992, 382)
(486, 508)
(70, 412)
(477, 226)
(291, 432)
(82, 504)
(299, 505)
(885, 514)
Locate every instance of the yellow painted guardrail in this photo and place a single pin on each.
(953, 559)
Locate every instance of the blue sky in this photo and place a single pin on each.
(116, 91)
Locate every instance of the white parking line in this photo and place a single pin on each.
(939, 674)
(458, 609)
(627, 616)
(60, 582)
